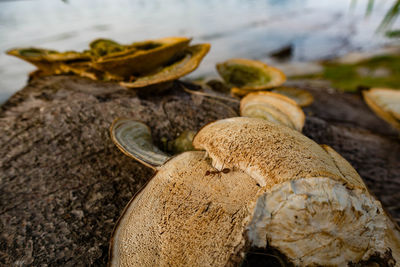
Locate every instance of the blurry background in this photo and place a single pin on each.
(312, 29)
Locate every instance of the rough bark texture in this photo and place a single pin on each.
(63, 184)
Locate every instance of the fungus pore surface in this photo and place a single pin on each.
(187, 215)
(258, 185)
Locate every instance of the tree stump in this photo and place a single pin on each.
(63, 183)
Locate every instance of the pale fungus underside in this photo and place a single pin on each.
(273, 107)
(385, 103)
(214, 208)
(141, 64)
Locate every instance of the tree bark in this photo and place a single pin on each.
(63, 183)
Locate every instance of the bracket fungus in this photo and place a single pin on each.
(152, 63)
(141, 57)
(188, 62)
(49, 61)
(385, 103)
(134, 139)
(273, 107)
(246, 75)
(257, 185)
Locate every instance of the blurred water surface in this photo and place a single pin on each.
(317, 29)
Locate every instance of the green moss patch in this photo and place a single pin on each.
(380, 71)
(240, 75)
(103, 47)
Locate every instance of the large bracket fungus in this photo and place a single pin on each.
(257, 185)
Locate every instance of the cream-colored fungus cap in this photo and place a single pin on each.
(268, 152)
(385, 103)
(295, 117)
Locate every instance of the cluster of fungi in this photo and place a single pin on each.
(249, 185)
(137, 65)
